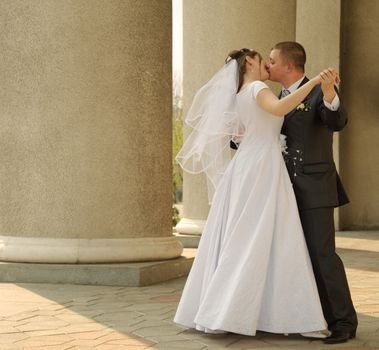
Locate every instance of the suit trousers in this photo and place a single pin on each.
(338, 309)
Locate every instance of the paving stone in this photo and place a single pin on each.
(156, 318)
(85, 311)
(159, 312)
(48, 340)
(91, 335)
(72, 318)
(184, 344)
(125, 329)
(21, 316)
(54, 308)
(84, 327)
(122, 347)
(101, 317)
(250, 344)
(122, 326)
(112, 336)
(147, 307)
(50, 347)
(119, 315)
(41, 326)
(130, 342)
(8, 329)
(225, 341)
(59, 331)
(157, 330)
(5, 323)
(11, 338)
(86, 342)
(152, 323)
(168, 338)
(42, 319)
(169, 316)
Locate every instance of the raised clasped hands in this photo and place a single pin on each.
(328, 78)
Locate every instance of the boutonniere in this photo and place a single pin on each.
(303, 107)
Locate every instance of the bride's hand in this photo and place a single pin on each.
(329, 77)
(317, 79)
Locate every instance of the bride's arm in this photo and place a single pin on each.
(270, 103)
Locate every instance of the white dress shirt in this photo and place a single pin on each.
(332, 106)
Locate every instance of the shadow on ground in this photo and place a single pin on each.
(101, 317)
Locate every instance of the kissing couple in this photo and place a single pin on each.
(266, 260)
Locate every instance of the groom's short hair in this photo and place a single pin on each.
(293, 52)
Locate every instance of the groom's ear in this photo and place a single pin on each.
(290, 67)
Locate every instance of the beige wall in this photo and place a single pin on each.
(213, 28)
(85, 106)
(318, 30)
(323, 49)
(360, 142)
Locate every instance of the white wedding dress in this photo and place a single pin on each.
(252, 270)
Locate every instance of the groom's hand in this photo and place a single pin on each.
(329, 77)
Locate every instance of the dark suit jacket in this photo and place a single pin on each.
(310, 152)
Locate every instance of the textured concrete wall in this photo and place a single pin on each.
(85, 118)
(212, 29)
(318, 30)
(318, 26)
(360, 143)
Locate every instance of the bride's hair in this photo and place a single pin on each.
(240, 57)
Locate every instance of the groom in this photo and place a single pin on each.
(309, 129)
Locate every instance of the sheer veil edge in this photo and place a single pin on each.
(214, 122)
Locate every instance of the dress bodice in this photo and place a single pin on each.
(261, 127)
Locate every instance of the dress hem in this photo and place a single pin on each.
(262, 328)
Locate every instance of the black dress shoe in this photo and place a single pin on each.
(339, 337)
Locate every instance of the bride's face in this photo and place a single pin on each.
(263, 69)
(261, 66)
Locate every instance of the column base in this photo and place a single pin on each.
(79, 251)
(188, 241)
(190, 226)
(128, 274)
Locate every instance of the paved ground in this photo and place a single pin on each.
(52, 317)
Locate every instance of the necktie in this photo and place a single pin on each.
(285, 93)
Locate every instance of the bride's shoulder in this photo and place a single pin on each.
(259, 83)
(257, 86)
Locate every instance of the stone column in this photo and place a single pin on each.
(85, 105)
(211, 29)
(323, 49)
(360, 142)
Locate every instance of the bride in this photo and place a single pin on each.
(252, 270)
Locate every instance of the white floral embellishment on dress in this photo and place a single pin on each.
(283, 143)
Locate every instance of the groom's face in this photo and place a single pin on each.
(277, 68)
